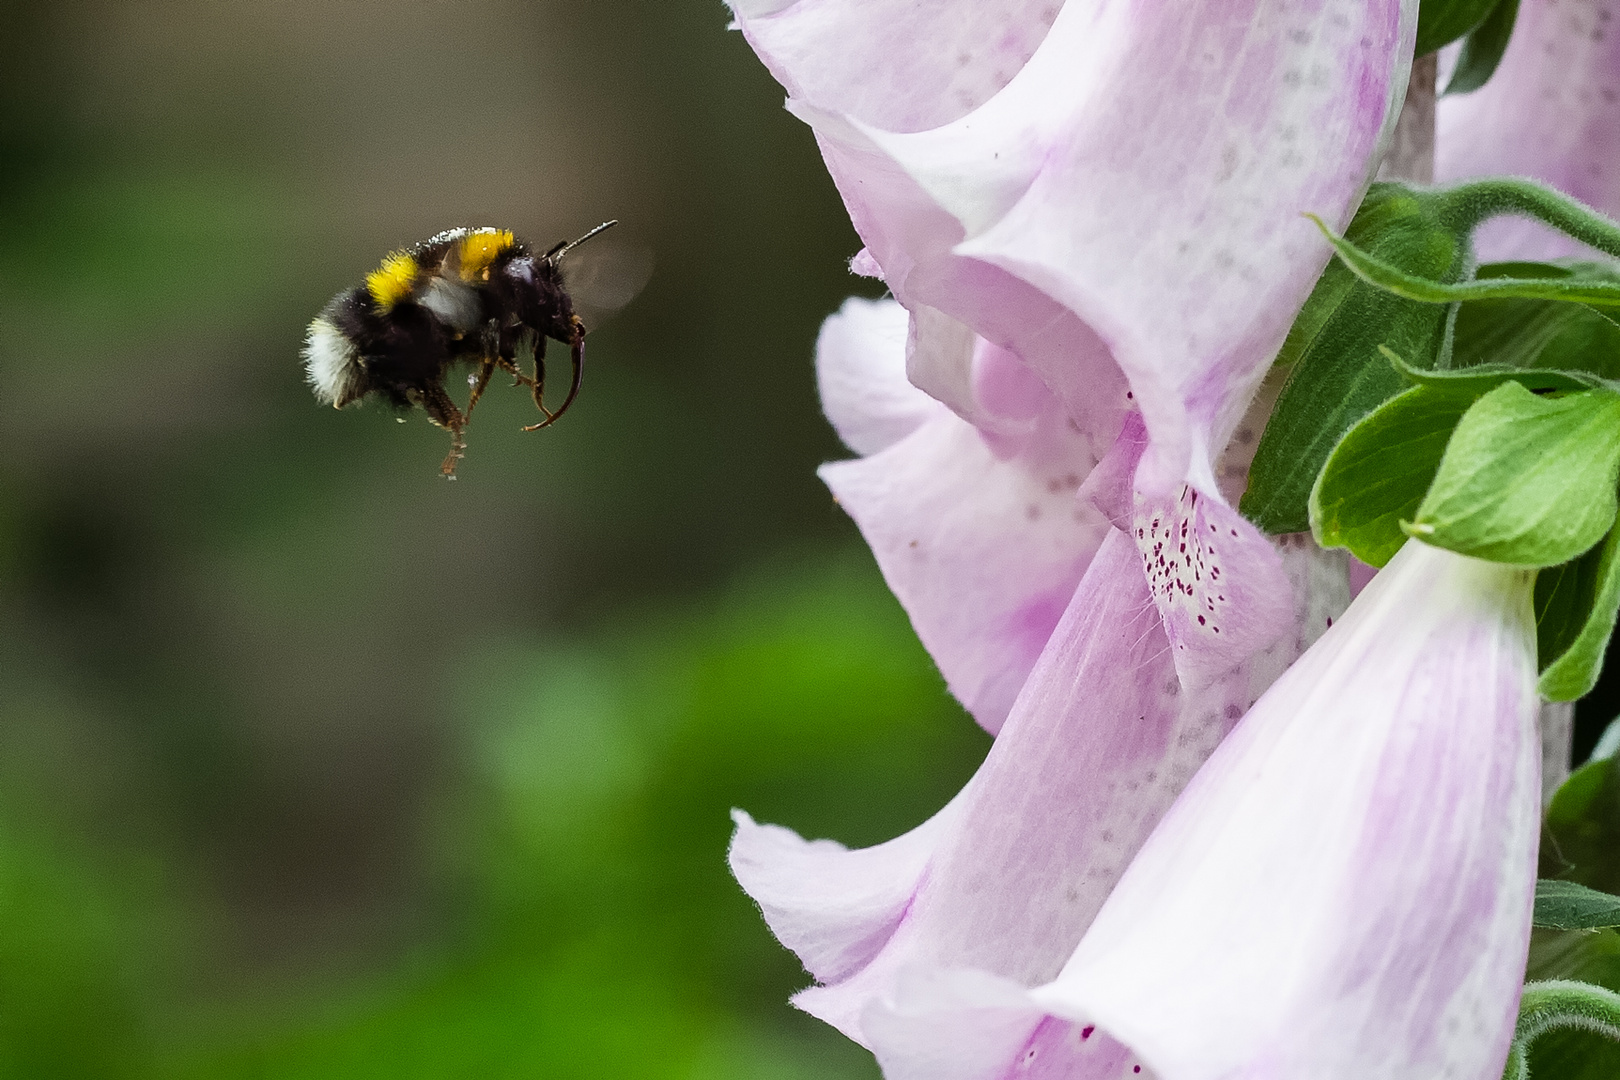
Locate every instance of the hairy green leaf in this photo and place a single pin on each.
(1569, 905)
(1539, 333)
(1482, 49)
(1338, 375)
(1481, 379)
(1380, 471)
(1380, 272)
(1576, 605)
(1526, 480)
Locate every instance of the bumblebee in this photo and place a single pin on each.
(466, 297)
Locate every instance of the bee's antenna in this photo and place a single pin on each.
(566, 246)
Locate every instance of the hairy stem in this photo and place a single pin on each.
(1560, 1004)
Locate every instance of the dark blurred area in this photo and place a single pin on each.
(313, 764)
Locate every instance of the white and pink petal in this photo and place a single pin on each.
(983, 552)
(1198, 136)
(861, 373)
(898, 63)
(1357, 860)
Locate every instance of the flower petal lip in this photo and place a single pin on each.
(834, 907)
(897, 63)
(1551, 112)
(861, 373)
(1357, 859)
(991, 1021)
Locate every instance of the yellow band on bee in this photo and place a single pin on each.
(391, 282)
(480, 248)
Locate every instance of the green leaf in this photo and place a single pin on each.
(1539, 333)
(1481, 379)
(1482, 49)
(1576, 605)
(1406, 250)
(1338, 375)
(1379, 473)
(1568, 905)
(1526, 480)
(1581, 834)
(1564, 954)
(1385, 275)
(1440, 22)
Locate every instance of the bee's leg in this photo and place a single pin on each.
(443, 412)
(539, 384)
(519, 378)
(576, 354)
(506, 356)
(486, 368)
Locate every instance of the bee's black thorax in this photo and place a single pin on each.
(528, 289)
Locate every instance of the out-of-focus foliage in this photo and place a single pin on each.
(312, 764)
(72, 964)
(595, 932)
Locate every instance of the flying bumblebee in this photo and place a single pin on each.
(466, 297)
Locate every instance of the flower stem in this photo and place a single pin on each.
(1411, 151)
(1468, 204)
(1557, 1004)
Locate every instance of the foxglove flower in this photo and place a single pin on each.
(1358, 859)
(1197, 135)
(1082, 221)
(1344, 889)
(1126, 196)
(1009, 874)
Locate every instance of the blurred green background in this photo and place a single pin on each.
(312, 764)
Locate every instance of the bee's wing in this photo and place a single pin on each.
(602, 277)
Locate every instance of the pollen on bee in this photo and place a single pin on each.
(391, 282)
(480, 248)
